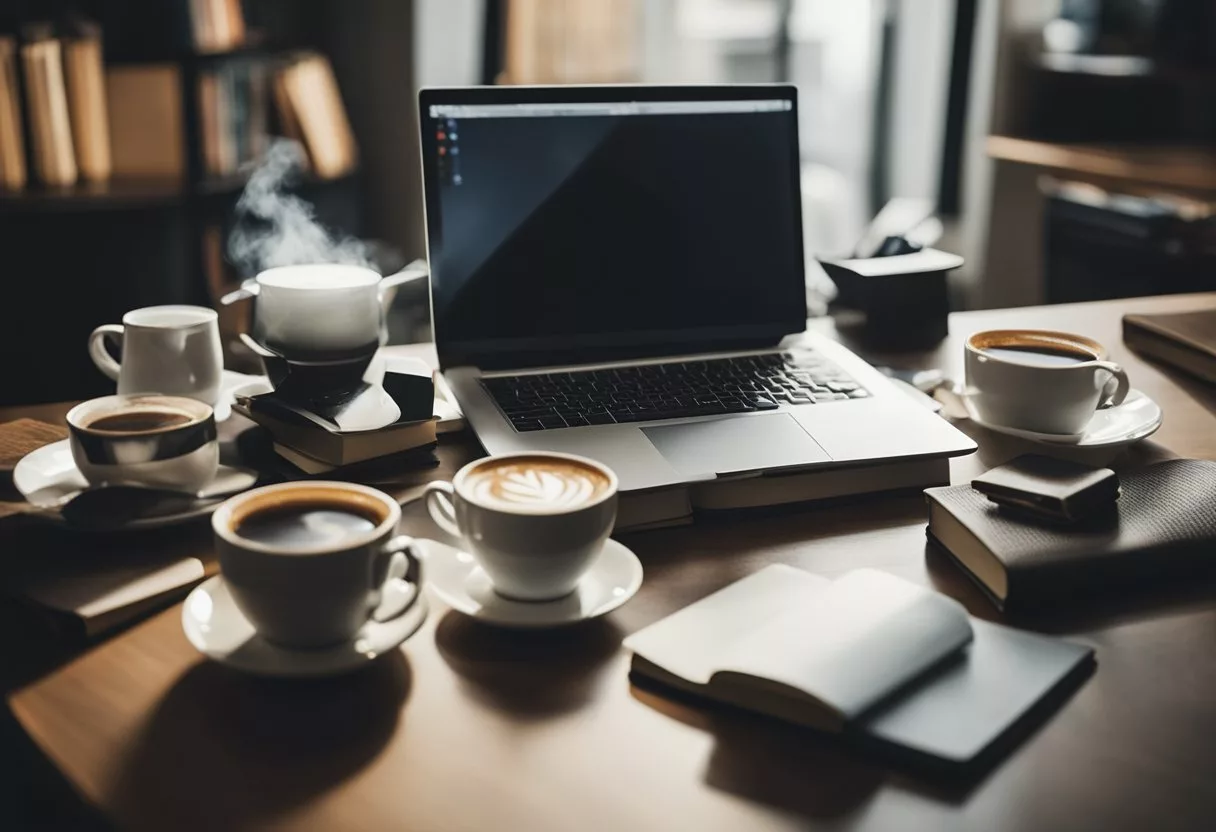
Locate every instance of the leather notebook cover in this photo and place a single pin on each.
(1186, 340)
(1164, 521)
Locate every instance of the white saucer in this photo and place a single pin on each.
(614, 578)
(1137, 418)
(219, 631)
(46, 475)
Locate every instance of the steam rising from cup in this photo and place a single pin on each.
(276, 228)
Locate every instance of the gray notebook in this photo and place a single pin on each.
(868, 654)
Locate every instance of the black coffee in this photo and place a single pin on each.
(1040, 355)
(139, 421)
(305, 524)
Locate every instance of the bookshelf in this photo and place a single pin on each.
(93, 249)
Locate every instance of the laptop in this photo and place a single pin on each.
(618, 272)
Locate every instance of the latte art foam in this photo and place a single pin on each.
(535, 484)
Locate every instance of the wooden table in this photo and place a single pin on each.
(469, 728)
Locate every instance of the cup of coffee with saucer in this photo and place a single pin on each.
(533, 534)
(1049, 386)
(150, 440)
(313, 581)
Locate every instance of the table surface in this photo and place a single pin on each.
(470, 728)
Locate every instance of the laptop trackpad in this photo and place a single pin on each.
(735, 445)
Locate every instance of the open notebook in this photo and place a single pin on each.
(868, 653)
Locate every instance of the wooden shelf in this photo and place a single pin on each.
(115, 194)
(255, 47)
(1180, 169)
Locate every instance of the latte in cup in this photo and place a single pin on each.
(536, 484)
(535, 522)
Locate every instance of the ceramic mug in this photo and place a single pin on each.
(535, 551)
(322, 309)
(314, 594)
(159, 441)
(173, 350)
(1041, 381)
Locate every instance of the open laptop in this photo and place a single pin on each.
(618, 272)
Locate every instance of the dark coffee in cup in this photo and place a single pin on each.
(306, 524)
(139, 421)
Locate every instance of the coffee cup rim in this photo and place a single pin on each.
(464, 473)
(221, 519)
(199, 412)
(1046, 336)
(206, 316)
(274, 277)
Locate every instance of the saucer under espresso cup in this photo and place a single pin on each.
(173, 350)
(533, 521)
(309, 563)
(1040, 381)
(613, 577)
(220, 631)
(162, 441)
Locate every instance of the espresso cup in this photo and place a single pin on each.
(533, 521)
(173, 350)
(1041, 381)
(310, 563)
(158, 441)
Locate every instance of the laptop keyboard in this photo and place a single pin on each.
(670, 391)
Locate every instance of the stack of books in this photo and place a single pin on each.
(65, 102)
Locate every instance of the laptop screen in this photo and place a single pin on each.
(591, 222)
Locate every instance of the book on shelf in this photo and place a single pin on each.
(146, 139)
(870, 656)
(86, 89)
(1163, 525)
(13, 171)
(310, 103)
(217, 25)
(1186, 340)
(47, 102)
(232, 105)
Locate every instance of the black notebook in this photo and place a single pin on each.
(1164, 522)
(869, 656)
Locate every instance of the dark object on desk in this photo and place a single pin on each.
(1163, 523)
(1050, 489)
(904, 296)
(1185, 340)
(881, 660)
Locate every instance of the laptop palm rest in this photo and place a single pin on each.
(735, 445)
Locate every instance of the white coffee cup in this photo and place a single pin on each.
(316, 593)
(1041, 381)
(173, 350)
(322, 308)
(151, 440)
(535, 548)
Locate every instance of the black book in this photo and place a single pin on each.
(1163, 524)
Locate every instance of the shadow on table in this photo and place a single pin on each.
(530, 674)
(226, 750)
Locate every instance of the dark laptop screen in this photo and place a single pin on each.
(582, 227)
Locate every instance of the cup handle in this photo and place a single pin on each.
(396, 592)
(439, 505)
(1122, 384)
(98, 352)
